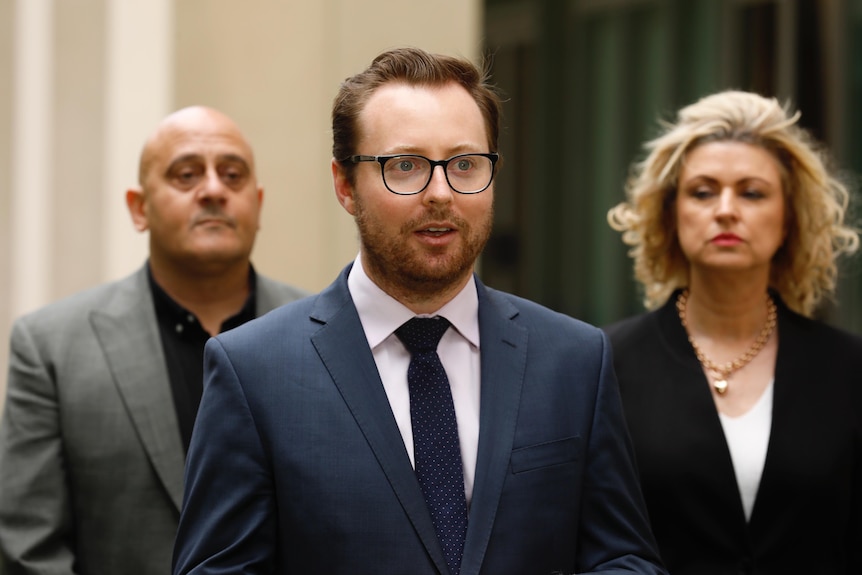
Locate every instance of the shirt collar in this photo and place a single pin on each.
(168, 310)
(381, 314)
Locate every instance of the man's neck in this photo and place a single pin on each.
(212, 297)
(425, 297)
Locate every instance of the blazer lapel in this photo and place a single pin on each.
(126, 329)
(686, 398)
(795, 369)
(503, 363)
(344, 351)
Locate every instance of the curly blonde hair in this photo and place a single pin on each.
(803, 270)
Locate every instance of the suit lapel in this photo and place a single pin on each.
(503, 360)
(126, 329)
(355, 374)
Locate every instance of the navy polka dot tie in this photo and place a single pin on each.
(436, 450)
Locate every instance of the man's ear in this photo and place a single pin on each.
(343, 188)
(259, 204)
(137, 208)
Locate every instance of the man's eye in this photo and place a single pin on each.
(233, 173)
(405, 165)
(186, 175)
(464, 164)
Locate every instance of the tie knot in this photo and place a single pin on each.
(422, 334)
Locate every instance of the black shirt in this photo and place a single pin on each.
(183, 340)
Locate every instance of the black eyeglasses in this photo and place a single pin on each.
(409, 174)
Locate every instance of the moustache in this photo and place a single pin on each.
(436, 215)
(210, 214)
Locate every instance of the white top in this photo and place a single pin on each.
(381, 315)
(747, 438)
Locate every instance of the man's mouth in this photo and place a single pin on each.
(436, 231)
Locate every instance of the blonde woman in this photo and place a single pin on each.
(746, 413)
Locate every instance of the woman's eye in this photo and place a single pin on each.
(752, 194)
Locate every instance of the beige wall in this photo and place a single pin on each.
(276, 70)
(5, 177)
(86, 80)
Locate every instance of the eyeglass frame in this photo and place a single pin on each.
(494, 157)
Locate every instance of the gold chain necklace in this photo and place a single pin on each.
(721, 373)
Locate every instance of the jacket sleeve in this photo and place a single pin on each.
(35, 525)
(227, 523)
(615, 531)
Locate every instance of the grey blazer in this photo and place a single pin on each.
(91, 461)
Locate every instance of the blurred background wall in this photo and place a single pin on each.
(587, 81)
(82, 83)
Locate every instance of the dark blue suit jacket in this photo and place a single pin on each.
(297, 465)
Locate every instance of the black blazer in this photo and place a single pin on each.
(807, 516)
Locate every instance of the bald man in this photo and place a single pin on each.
(104, 386)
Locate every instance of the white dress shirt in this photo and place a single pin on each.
(381, 315)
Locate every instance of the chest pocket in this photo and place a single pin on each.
(557, 452)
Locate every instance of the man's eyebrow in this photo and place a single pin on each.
(183, 159)
(236, 158)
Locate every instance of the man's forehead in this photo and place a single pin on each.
(202, 143)
(399, 109)
(206, 136)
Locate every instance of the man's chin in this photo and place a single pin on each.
(219, 243)
(216, 256)
(436, 275)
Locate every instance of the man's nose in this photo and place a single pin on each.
(212, 187)
(438, 189)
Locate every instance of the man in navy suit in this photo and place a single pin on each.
(303, 454)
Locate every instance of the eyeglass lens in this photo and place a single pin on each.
(410, 174)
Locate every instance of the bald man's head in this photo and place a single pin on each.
(198, 196)
(190, 122)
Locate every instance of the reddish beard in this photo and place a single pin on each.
(400, 268)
